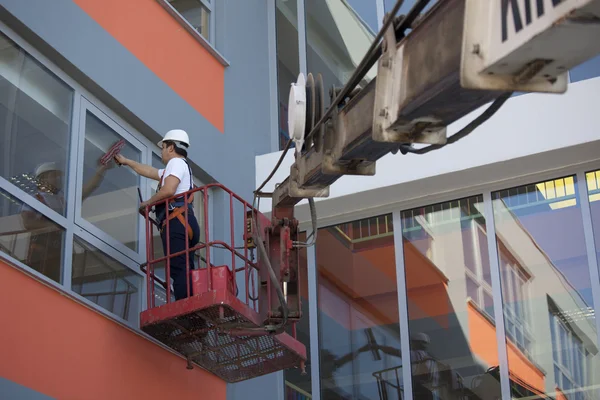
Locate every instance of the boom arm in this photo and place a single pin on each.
(460, 56)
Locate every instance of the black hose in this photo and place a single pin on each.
(274, 280)
(487, 114)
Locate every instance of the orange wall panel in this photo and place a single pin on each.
(167, 49)
(61, 348)
(482, 338)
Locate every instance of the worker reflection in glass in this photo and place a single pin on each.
(45, 245)
(425, 372)
(174, 179)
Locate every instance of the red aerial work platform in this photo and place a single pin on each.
(215, 327)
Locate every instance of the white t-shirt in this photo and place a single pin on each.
(179, 169)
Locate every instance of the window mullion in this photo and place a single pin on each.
(32, 202)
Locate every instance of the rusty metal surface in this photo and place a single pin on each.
(202, 328)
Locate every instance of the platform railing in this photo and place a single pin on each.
(238, 251)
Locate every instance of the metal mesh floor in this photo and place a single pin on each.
(198, 330)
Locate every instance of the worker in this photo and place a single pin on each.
(174, 179)
(45, 245)
(425, 371)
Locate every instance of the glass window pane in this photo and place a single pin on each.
(406, 6)
(337, 38)
(593, 187)
(195, 13)
(298, 385)
(541, 237)
(358, 312)
(288, 61)
(366, 10)
(110, 199)
(104, 281)
(31, 238)
(35, 119)
(450, 337)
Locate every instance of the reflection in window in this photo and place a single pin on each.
(105, 281)
(406, 5)
(31, 238)
(113, 200)
(35, 117)
(572, 362)
(450, 307)
(288, 64)
(299, 386)
(366, 10)
(593, 187)
(358, 310)
(196, 14)
(546, 290)
(337, 39)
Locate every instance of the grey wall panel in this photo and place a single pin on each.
(247, 97)
(267, 387)
(13, 391)
(77, 44)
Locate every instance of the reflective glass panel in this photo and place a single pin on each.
(35, 122)
(104, 281)
(358, 310)
(31, 238)
(593, 187)
(288, 62)
(337, 38)
(549, 311)
(454, 351)
(110, 197)
(196, 14)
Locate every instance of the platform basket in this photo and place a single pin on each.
(199, 328)
(218, 327)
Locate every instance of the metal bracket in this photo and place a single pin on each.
(333, 163)
(388, 124)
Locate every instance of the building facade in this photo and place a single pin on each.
(76, 77)
(469, 272)
(477, 262)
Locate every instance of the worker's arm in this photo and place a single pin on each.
(144, 170)
(166, 191)
(96, 180)
(33, 220)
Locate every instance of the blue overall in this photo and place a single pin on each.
(177, 242)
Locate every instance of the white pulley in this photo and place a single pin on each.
(297, 112)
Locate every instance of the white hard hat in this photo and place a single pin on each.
(420, 337)
(45, 167)
(178, 136)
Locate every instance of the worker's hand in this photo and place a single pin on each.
(142, 209)
(122, 160)
(102, 168)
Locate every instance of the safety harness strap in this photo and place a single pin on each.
(178, 211)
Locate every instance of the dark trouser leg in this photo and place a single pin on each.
(178, 264)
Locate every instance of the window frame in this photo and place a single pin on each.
(558, 347)
(83, 100)
(210, 43)
(121, 259)
(87, 106)
(486, 189)
(477, 277)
